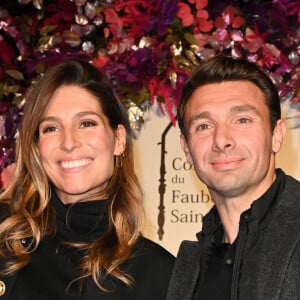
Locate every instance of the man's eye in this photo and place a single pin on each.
(243, 121)
(203, 127)
(88, 123)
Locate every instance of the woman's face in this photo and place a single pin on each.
(77, 145)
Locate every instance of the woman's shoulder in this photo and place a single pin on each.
(149, 248)
(151, 267)
(148, 254)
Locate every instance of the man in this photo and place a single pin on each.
(249, 246)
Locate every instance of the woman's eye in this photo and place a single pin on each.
(48, 129)
(88, 123)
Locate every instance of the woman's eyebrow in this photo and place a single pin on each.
(79, 114)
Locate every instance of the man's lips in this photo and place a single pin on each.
(226, 164)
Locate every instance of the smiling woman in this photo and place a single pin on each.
(77, 144)
(73, 210)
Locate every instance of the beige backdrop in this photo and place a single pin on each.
(185, 199)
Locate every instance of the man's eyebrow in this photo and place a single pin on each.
(233, 109)
(199, 116)
(243, 108)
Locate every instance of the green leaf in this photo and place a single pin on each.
(47, 29)
(189, 37)
(43, 40)
(10, 89)
(17, 75)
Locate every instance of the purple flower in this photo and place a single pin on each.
(163, 18)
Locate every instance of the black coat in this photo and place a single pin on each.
(276, 274)
(151, 268)
(53, 265)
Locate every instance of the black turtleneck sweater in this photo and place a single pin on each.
(54, 265)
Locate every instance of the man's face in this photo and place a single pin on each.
(229, 139)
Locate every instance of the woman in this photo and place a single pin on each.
(71, 217)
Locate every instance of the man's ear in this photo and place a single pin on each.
(120, 143)
(186, 149)
(278, 135)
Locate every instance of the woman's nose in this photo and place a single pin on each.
(70, 140)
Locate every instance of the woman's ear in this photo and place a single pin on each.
(278, 135)
(120, 143)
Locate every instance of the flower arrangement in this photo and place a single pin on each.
(146, 47)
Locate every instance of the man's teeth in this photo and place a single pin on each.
(75, 163)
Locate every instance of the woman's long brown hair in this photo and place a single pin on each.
(28, 198)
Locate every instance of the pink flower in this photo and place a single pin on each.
(254, 39)
(228, 25)
(200, 20)
(185, 14)
(114, 21)
(202, 16)
(7, 175)
(229, 18)
(100, 61)
(6, 51)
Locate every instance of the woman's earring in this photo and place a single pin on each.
(119, 160)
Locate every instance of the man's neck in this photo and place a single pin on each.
(230, 212)
(231, 208)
